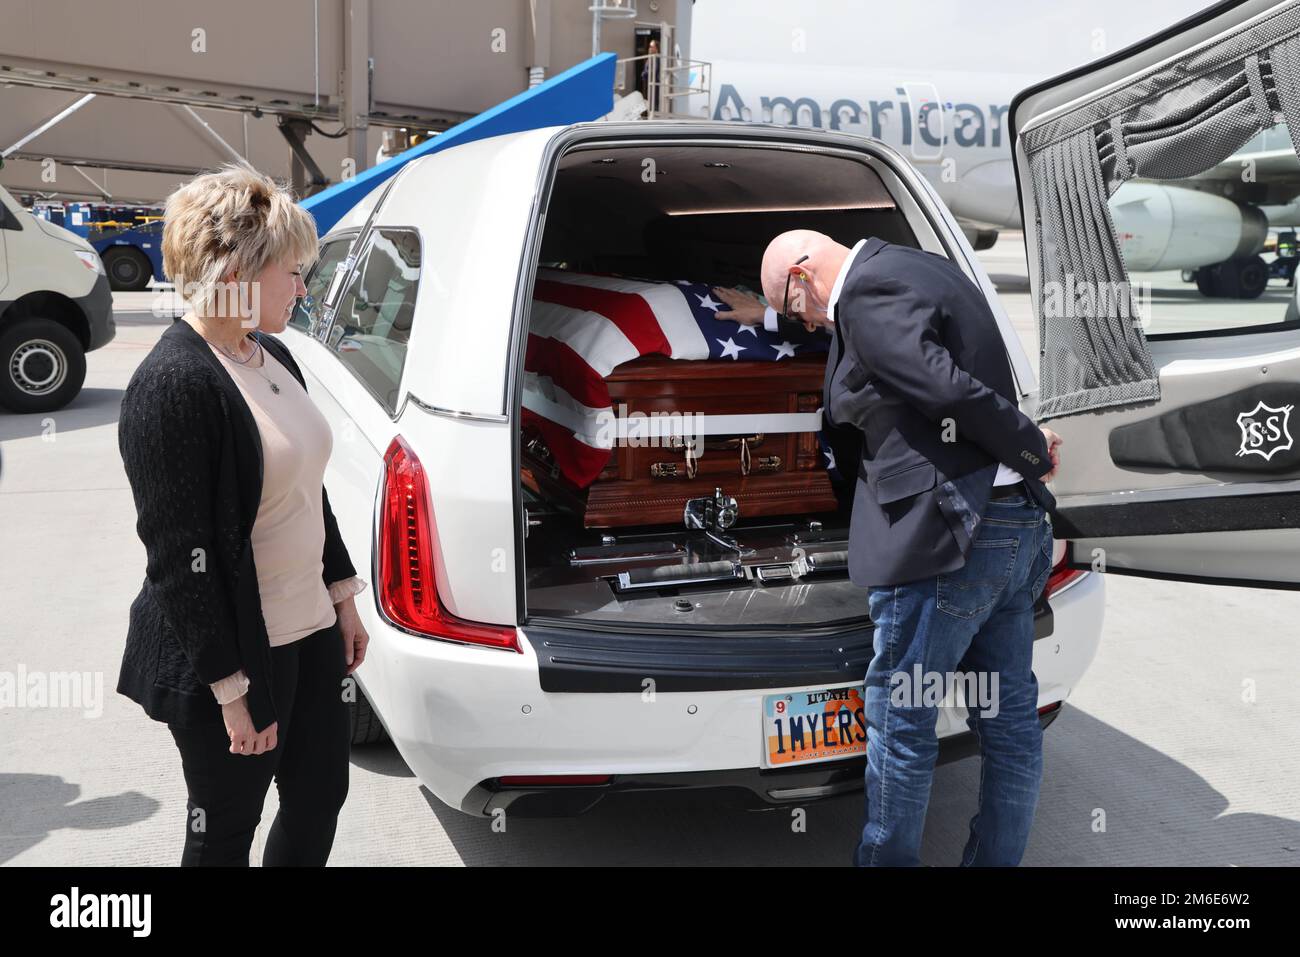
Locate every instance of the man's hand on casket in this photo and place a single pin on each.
(742, 307)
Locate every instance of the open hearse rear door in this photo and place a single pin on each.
(1177, 402)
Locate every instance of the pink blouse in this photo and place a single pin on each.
(288, 535)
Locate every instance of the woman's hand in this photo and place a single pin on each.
(244, 738)
(355, 638)
(744, 308)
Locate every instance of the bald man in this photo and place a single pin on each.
(949, 531)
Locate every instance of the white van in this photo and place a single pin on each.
(55, 306)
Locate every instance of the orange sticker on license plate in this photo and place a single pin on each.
(803, 727)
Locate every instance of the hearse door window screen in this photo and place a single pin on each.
(1170, 122)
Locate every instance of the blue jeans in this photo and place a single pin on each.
(977, 620)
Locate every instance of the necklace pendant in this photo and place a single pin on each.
(275, 388)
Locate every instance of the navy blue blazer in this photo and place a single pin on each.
(919, 368)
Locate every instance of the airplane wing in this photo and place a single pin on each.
(1275, 177)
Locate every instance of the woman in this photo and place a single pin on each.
(246, 662)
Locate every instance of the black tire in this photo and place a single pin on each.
(42, 366)
(366, 728)
(1252, 277)
(129, 270)
(1245, 278)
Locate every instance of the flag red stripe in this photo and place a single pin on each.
(567, 369)
(630, 312)
(579, 462)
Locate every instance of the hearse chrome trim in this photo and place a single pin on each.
(1176, 492)
(456, 414)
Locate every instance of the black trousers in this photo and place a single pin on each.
(309, 764)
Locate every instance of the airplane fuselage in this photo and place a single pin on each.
(951, 126)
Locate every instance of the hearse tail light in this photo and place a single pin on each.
(1062, 576)
(410, 559)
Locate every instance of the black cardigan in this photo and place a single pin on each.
(193, 455)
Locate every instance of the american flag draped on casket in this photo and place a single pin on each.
(584, 325)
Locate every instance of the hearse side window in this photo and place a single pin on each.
(309, 308)
(373, 321)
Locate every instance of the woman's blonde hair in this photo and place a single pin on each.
(234, 220)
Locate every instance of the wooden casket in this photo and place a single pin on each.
(649, 479)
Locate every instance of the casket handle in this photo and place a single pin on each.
(718, 445)
(669, 469)
(734, 442)
(766, 463)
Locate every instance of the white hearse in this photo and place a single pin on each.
(514, 659)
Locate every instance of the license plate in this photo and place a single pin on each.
(805, 727)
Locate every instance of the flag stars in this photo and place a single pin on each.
(729, 348)
(708, 302)
(786, 348)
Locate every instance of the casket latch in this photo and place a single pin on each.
(714, 514)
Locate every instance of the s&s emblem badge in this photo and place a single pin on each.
(1265, 431)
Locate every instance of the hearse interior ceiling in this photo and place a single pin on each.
(710, 223)
(1168, 122)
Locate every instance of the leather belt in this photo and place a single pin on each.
(1016, 489)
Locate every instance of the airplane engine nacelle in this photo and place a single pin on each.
(1171, 227)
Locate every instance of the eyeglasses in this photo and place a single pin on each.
(785, 306)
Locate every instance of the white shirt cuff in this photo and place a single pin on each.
(229, 688)
(346, 588)
(769, 319)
